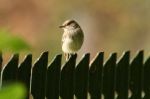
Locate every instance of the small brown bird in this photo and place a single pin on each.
(72, 38)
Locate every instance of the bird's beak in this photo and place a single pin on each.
(61, 26)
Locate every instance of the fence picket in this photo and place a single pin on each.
(136, 73)
(109, 77)
(122, 76)
(146, 84)
(39, 77)
(53, 78)
(81, 77)
(95, 76)
(24, 72)
(67, 79)
(9, 72)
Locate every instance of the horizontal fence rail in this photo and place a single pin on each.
(114, 78)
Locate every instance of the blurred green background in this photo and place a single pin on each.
(109, 25)
(13, 91)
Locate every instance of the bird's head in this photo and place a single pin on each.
(69, 25)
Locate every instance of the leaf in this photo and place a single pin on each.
(14, 91)
(12, 43)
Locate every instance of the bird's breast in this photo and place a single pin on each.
(72, 41)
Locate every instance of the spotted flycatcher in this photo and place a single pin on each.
(72, 38)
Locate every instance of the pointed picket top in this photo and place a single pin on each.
(39, 71)
(125, 55)
(67, 78)
(139, 56)
(84, 58)
(112, 57)
(14, 57)
(122, 76)
(95, 76)
(53, 78)
(26, 63)
(10, 70)
(146, 84)
(109, 76)
(43, 56)
(56, 59)
(24, 71)
(81, 77)
(136, 73)
(99, 57)
(72, 59)
(27, 58)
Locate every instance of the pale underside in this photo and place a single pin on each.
(72, 41)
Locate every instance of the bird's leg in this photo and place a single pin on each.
(66, 56)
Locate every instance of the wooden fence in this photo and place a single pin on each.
(113, 79)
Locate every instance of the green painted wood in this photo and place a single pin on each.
(9, 72)
(39, 77)
(81, 77)
(109, 77)
(67, 79)
(24, 72)
(95, 76)
(122, 76)
(147, 79)
(136, 73)
(53, 78)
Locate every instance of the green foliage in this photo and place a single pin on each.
(14, 91)
(12, 43)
